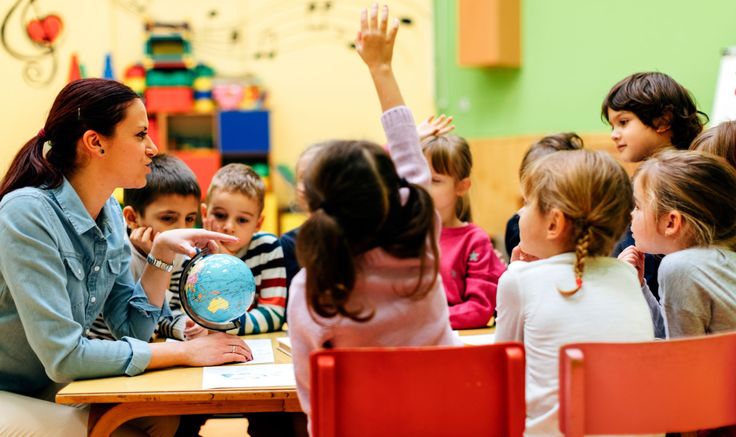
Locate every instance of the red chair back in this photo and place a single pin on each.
(427, 391)
(652, 387)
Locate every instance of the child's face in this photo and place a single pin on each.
(532, 230)
(234, 213)
(634, 140)
(168, 211)
(645, 227)
(444, 191)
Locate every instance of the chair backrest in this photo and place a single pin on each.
(652, 387)
(428, 391)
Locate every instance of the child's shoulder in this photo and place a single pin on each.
(263, 243)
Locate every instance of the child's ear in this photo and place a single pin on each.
(131, 217)
(671, 224)
(259, 223)
(462, 187)
(203, 210)
(557, 224)
(663, 123)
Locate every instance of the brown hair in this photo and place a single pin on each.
(719, 140)
(592, 190)
(352, 190)
(450, 155)
(697, 185)
(82, 105)
(550, 144)
(657, 99)
(238, 178)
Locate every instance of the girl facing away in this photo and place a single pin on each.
(469, 266)
(577, 205)
(719, 140)
(685, 210)
(369, 247)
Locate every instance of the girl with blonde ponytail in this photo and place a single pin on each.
(561, 286)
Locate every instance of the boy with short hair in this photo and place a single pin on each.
(234, 206)
(169, 200)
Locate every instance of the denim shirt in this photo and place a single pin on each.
(59, 269)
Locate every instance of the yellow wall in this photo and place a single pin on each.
(318, 88)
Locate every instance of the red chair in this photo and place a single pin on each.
(653, 387)
(427, 391)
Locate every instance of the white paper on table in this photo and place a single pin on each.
(262, 351)
(264, 375)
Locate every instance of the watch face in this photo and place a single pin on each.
(216, 290)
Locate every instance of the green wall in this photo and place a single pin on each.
(573, 52)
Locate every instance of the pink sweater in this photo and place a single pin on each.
(397, 321)
(470, 271)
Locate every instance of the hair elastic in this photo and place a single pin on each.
(41, 134)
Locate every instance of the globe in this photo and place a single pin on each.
(216, 289)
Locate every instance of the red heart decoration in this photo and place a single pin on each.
(44, 31)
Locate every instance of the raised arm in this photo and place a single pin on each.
(375, 44)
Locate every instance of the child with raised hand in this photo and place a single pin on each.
(234, 206)
(469, 266)
(577, 204)
(170, 200)
(685, 210)
(649, 112)
(369, 247)
(719, 140)
(543, 147)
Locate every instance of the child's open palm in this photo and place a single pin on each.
(375, 42)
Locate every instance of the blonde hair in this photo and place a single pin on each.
(699, 186)
(238, 178)
(592, 190)
(719, 140)
(450, 155)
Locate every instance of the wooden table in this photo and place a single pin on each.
(175, 391)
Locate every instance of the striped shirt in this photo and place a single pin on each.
(265, 258)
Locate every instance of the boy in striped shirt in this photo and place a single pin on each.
(234, 206)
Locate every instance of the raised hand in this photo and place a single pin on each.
(435, 126)
(375, 42)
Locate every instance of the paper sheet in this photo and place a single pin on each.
(261, 376)
(478, 339)
(262, 351)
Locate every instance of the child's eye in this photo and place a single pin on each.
(242, 220)
(168, 219)
(190, 220)
(220, 215)
(623, 122)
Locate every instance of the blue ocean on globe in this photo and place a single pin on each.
(219, 288)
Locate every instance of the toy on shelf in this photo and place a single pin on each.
(242, 93)
(135, 78)
(107, 71)
(203, 75)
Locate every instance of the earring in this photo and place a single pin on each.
(102, 151)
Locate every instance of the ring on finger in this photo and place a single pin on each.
(233, 349)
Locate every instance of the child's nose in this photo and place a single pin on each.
(615, 134)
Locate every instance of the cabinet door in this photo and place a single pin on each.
(243, 132)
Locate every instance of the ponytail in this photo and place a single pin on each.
(30, 168)
(85, 104)
(323, 250)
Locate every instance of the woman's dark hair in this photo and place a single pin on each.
(657, 100)
(352, 190)
(85, 104)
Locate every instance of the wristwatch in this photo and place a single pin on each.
(159, 264)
